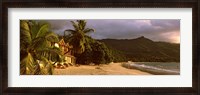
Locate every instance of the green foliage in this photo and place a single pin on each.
(36, 48)
(143, 49)
(27, 65)
(98, 50)
(118, 56)
(85, 57)
(86, 49)
(77, 37)
(97, 53)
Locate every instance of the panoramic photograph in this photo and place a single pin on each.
(100, 47)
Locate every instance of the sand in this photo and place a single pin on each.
(110, 69)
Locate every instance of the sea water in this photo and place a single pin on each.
(158, 68)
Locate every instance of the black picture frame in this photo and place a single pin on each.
(194, 90)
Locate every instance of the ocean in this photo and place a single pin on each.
(157, 68)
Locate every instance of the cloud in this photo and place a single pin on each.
(167, 24)
(129, 29)
(58, 26)
(156, 29)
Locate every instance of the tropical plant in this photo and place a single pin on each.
(99, 53)
(77, 37)
(37, 48)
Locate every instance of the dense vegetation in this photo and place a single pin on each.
(98, 53)
(36, 50)
(143, 49)
(86, 49)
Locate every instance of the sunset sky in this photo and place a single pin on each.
(156, 30)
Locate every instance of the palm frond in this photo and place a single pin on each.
(25, 32)
(46, 41)
(27, 65)
(24, 25)
(36, 48)
(71, 31)
(38, 43)
(76, 27)
(51, 37)
(50, 68)
(45, 67)
(53, 54)
(81, 24)
(87, 30)
(43, 29)
(38, 70)
(34, 31)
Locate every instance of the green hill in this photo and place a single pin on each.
(143, 49)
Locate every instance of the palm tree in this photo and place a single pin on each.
(77, 37)
(36, 48)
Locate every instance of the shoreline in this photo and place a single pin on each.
(104, 69)
(150, 69)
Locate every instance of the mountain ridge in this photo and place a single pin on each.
(138, 38)
(144, 49)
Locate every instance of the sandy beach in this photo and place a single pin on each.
(110, 69)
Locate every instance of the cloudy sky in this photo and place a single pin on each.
(156, 30)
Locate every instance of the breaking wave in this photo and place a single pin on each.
(150, 69)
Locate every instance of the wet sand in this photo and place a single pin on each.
(110, 69)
